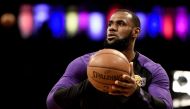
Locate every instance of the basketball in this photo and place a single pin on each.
(106, 66)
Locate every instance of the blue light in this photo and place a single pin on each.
(154, 23)
(41, 15)
(143, 20)
(56, 23)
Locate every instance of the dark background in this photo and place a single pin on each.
(30, 67)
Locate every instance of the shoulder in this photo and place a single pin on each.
(83, 59)
(157, 71)
(149, 64)
(77, 66)
(86, 57)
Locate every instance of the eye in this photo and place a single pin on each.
(121, 23)
(109, 24)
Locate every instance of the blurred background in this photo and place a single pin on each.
(39, 38)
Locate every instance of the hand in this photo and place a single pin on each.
(126, 86)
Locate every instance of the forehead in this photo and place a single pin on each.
(121, 16)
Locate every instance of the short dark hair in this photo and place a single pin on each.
(135, 18)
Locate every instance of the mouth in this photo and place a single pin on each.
(111, 36)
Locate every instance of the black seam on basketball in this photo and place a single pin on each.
(109, 68)
(112, 54)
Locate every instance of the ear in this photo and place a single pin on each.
(136, 31)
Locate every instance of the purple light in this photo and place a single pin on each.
(83, 21)
(181, 23)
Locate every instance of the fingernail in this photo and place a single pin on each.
(116, 82)
(112, 87)
(124, 76)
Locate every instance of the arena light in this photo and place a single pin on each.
(167, 29)
(181, 85)
(181, 82)
(8, 19)
(189, 25)
(143, 20)
(83, 20)
(57, 23)
(96, 26)
(41, 15)
(72, 22)
(181, 102)
(181, 23)
(25, 21)
(154, 22)
(111, 10)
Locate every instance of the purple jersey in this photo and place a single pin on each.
(155, 81)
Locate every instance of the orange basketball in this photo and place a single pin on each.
(106, 66)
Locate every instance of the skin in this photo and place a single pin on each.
(120, 26)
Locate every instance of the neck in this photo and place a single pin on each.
(129, 53)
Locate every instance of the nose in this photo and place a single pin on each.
(112, 27)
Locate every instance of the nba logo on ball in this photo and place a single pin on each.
(106, 66)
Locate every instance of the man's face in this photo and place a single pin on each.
(119, 31)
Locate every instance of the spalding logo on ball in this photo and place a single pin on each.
(106, 66)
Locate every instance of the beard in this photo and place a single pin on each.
(120, 44)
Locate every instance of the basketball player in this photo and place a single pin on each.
(73, 90)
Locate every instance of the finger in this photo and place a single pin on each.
(123, 84)
(118, 89)
(127, 78)
(111, 93)
(131, 69)
(115, 93)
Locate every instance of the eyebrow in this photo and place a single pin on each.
(111, 21)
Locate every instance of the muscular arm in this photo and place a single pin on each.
(74, 74)
(158, 95)
(69, 98)
(145, 100)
